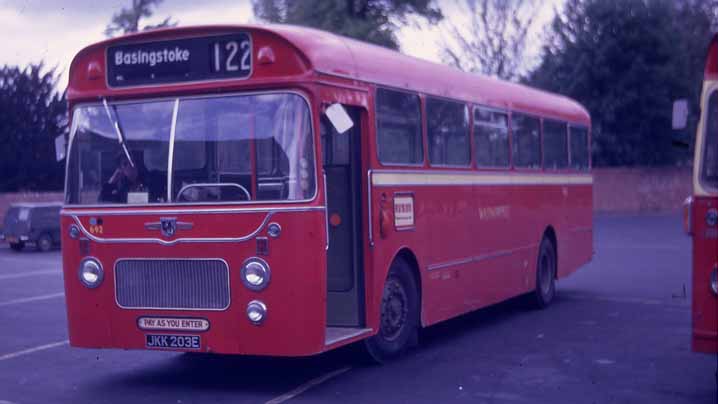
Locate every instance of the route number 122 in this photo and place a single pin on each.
(232, 56)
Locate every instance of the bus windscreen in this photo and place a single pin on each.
(225, 149)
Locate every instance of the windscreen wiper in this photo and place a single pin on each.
(118, 131)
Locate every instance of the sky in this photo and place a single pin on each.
(53, 31)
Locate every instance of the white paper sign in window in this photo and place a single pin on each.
(339, 118)
(138, 197)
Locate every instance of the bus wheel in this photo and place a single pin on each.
(545, 275)
(399, 321)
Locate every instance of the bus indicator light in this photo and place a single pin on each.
(94, 71)
(262, 246)
(265, 56)
(274, 230)
(688, 216)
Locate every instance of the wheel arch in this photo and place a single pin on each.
(408, 256)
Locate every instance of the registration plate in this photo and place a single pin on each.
(170, 341)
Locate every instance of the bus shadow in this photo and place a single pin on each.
(273, 376)
(230, 373)
(453, 330)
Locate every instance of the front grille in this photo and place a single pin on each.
(172, 284)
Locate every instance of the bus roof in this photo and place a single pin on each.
(335, 55)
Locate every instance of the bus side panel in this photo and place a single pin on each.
(479, 247)
(705, 259)
(496, 231)
(450, 212)
(461, 238)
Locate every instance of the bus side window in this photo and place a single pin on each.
(579, 147)
(491, 138)
(555, 145)
(398, 117)
(448, 132)
(526, 141)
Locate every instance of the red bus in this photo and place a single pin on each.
(701, 214)
(275, 190)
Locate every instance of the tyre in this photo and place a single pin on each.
(17, 246)
(44, 243)
(546, 264)
(399, 315)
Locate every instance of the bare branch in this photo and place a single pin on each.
(128, 19)
(494, 41)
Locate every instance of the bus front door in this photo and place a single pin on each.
(342, 170)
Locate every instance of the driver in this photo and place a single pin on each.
(126, 178)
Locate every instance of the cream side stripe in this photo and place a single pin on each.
(437, 178)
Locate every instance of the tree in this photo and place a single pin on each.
(127, 20)
(495, 39)
(374, 21)
(626, 61)
(32, 114)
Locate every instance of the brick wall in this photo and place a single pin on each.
(640, 189)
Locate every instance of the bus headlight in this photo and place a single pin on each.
(255, 273)
(256, 312)
(91, 273)
(714, 280)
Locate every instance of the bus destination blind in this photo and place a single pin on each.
(181, 60)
